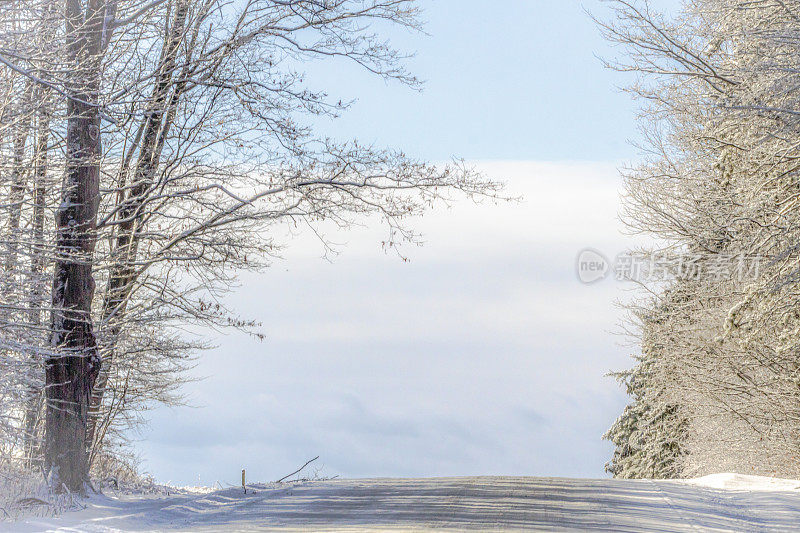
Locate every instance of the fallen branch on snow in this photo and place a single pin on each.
(299, 469)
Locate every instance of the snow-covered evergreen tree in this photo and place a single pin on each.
(719, 180)
(650, 433)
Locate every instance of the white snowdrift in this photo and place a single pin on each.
(744, 482)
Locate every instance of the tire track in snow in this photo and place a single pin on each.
(460, 504)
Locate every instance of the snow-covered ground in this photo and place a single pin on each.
(725, 502)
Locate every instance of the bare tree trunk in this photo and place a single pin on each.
(71, 374)
(34, 408)
(122, 277)
(16, 197)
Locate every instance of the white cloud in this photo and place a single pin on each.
(484, 354)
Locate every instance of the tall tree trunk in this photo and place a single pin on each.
(154, 129)
(16, 196)
(38, 262)
(70, 374)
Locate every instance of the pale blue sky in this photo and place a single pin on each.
(483, 355)
(520, 82)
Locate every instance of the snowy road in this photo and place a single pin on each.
(482, 503)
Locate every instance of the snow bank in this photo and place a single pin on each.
(729, 481)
